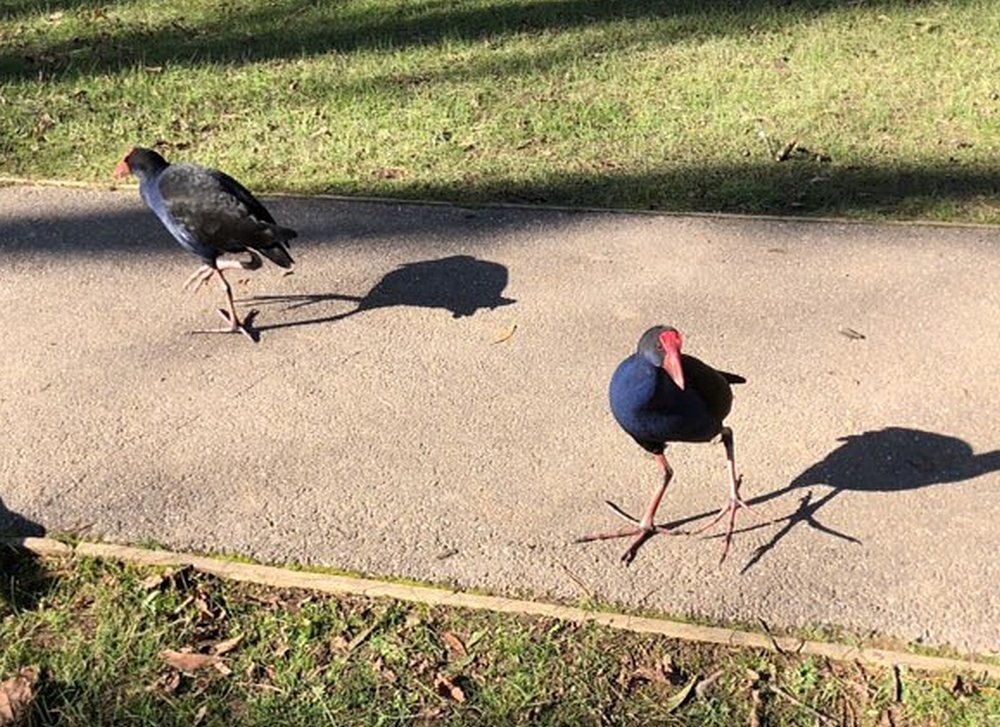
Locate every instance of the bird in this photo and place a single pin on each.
(659, 395)
(210, 214)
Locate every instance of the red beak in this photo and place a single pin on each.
(121, 169)
(671, 342)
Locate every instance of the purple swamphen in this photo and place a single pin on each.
(209, 213)
(659, 395)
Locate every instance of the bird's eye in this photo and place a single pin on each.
(659, 346)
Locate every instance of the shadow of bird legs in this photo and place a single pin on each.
(300, 301)
(291, 302)
(635, 521)
(245, 327)
(806, 512)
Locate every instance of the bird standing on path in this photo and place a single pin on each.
(209, 213)
(659, 395)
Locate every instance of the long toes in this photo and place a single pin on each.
(621, 513)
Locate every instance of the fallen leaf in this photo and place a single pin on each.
(224, 647)
(389, 173)
(16, 694)
(506, 333)
(447, 688)
(456, 649)
(649, 674)
(675, 702)
(755, 708)
(430, 713)
(167, 683)
(188, 661)
(154, 581)
(703, 686)
(786, 151)
(361, 637)
(338, 642)
(199, 716)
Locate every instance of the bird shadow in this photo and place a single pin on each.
(893, 459)
(460, 284)
(23, 578)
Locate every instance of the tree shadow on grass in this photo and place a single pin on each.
(23, 577)
(249, 32)
(893, 459)
(800, 188)
(460, 284)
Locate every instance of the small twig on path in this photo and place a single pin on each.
(573, 577)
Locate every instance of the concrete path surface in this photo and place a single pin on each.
(382, 425)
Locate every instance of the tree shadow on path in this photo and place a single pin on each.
(460, 284)
(893, 459)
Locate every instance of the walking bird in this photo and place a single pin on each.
(210, 214)
(659, 395)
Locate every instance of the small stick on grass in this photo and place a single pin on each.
(825, 719)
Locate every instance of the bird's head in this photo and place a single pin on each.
(661, 346)
(140, 162)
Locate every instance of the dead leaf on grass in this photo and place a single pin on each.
(446, 687)
(456, 649)
(224, 647)
(755, 707)
(199, 716)
(167, 683)
(649, 674)
(430, 713)
(705, 684)
(389, 173)
(676, 701)
(188, 661)
(362, 637)
(16, 694)
(154, 581)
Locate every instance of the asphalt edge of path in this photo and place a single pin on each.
(725, 216)
(436, 596)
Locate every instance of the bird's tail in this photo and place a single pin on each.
(733, 378)
(277, 251)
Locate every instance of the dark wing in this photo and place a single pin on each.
(244, 195)
(711, 385)
(220, 213)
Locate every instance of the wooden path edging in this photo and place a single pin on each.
(348, 585)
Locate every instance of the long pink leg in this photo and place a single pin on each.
(735, 503)
(230, 316)
(643, 529)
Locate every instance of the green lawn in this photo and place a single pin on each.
(893, 107)
(120, 645)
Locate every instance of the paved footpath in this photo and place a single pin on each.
(382, 426)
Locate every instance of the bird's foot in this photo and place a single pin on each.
(198, 278)
(640, 531)
(235, 325)
(734, 505)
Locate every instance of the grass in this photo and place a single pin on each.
(893, 106)
(96, 631)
